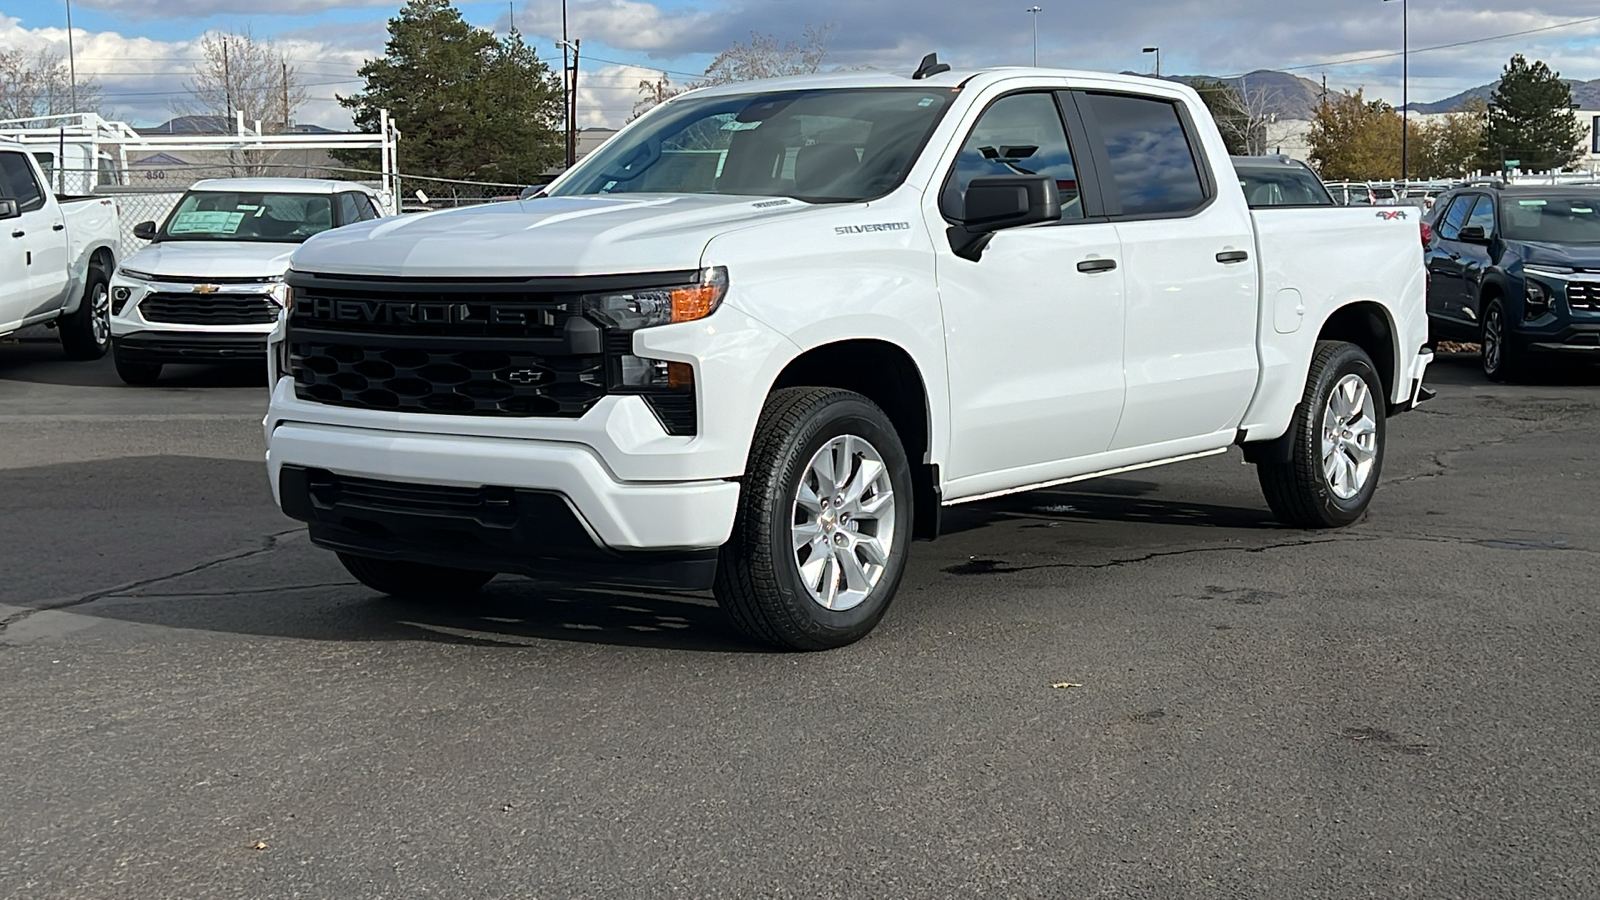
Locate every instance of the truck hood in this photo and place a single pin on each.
(589, 235)
(212, 259)
(1577, 256)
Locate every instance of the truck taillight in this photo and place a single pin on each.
(1427, 235)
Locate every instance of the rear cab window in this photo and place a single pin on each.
(1153, 167)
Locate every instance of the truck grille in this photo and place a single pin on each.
(1583, 295)
(444, 376)
(209, 309)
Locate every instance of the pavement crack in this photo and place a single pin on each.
(977, 566)
(268, 544)
(241, 592)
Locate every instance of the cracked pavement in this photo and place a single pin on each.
(199, 703)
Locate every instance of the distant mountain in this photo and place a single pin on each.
(214, 125)
(1584, 93)
(1290, 96)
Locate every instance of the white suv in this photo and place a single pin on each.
(210, 285)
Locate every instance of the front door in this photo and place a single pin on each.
(1189, 255)
(35, 266)
(1444, 259)
(1034, 327)
(1475, 259)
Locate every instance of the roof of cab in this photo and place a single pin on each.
(279, 185)
(950, 80)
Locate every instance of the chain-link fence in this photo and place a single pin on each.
(147, 193)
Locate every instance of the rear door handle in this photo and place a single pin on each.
(1229, 257)
(1091, 266)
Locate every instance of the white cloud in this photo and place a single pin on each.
(624, 24)
(180, 9)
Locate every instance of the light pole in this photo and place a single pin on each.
(1405, 87)
(1157, 52)
(72, 63)
(1034, 10)
(572, 100)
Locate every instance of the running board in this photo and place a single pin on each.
(1101, 474)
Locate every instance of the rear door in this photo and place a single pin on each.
(35, 242)
(1188, 254)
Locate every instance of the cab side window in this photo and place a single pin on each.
(1017, 135)
(364, 204)
(1152, 163)
(1456, 216)
(349, 214)
(1483, 216)
(18, 183)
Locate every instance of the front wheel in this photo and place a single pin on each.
(413, 580)
(824, 522)
(86, 334)
(1338, 442)
(1502, 355)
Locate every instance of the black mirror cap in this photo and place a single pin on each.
(995, 202)
(145, 231)
(1473, 234)
(9, 208)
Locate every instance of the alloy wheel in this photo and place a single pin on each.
(1349, 437)
(842, 528)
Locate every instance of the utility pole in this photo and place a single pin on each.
(284, 66)
(72, 64)
(572, 112)
(566, 80)
(227, 80)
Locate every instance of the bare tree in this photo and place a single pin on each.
(762, 57)
(239, 73)
(40, 84)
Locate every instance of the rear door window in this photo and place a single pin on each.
(1152, 162)
(18, 183)
(1483, 216)
(1456, 216)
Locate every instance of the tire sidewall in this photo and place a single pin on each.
(98, 280)
(1350, 361)
(1502, 371)
(861, 419)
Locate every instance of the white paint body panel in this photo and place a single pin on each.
(42, 273)
(1034, 373)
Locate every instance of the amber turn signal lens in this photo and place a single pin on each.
(680, 375)
(691, 303)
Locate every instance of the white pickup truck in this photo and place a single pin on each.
(56, 257)
(758, 340)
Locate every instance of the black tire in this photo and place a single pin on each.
(759, 580)
(86, 333)
(1503, 358)
(136, 374)
(413, 580)
(1298, 491)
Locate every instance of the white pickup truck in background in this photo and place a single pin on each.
(56, 257)
(761, 337)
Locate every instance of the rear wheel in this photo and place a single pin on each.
(86, 333)
(824, 522)
(1338, 442)
(412, 580)
(1503, 357)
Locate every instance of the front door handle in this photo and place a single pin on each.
(1229, 257)
(19, 233)
(58, 227)
(1090, 266)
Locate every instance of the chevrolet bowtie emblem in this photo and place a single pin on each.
(206, 289)
(523, 376)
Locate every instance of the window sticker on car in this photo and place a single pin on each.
(206, 222)
(1533, 202)
(736, 125)
(1581, 210)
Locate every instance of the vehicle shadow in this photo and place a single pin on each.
(1467, 369)
(41, 361)
(1108, 501)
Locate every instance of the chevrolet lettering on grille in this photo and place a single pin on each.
(376, 312)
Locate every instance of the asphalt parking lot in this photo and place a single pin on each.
(1134, 687)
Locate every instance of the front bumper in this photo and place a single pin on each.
(1576, 338)
(159, 347)
(541, 508)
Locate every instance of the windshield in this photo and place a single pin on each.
(236, 216)
(822, 146)
(1289, 186)
(1554, 220)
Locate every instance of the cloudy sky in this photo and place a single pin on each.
(142, 50)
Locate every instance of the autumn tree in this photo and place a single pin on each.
(1449, 144)
(763, 57)
(40, 84)
(1242, 114)
(472, 106)
(239, 73)
(1530, 120)
(1356, 138)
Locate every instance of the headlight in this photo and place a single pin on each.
(1536, 298)
(136, 275)
(646, 308)
(281, 293)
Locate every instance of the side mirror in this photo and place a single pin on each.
(997, 202)
(9, 209)
(145, 231)
(1473, 234)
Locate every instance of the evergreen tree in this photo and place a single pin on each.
(468, 105)
(1530, 120)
